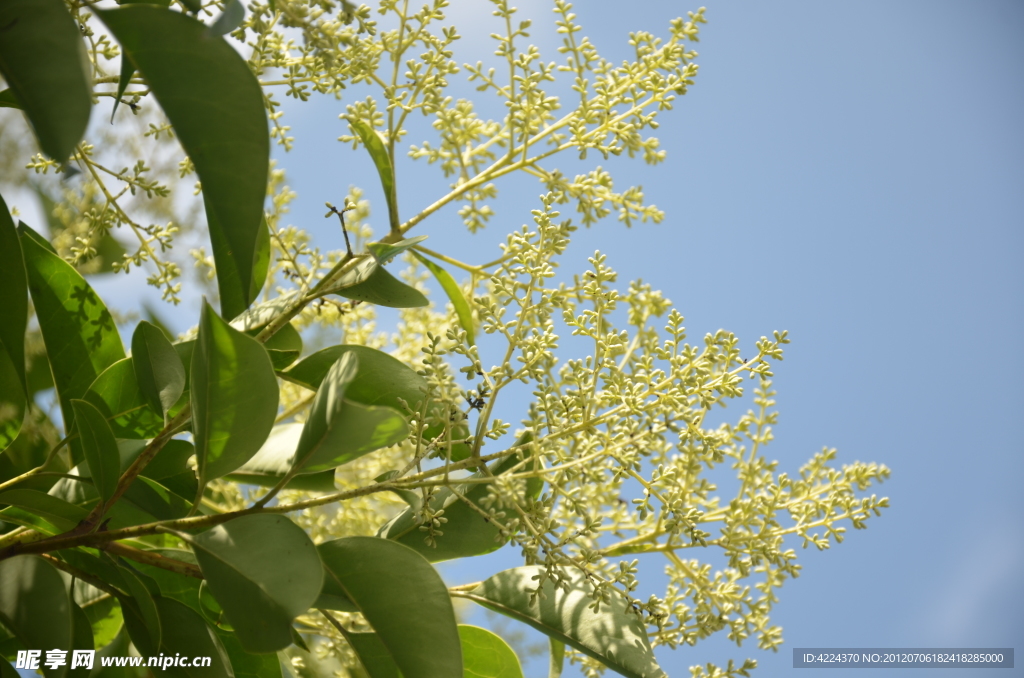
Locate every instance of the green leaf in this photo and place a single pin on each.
(284, 347)
(264, 571)
(466, 533)
(123, 80)
(246, 664)
(81, 639)
(106, 620)
(8, 100)
(451, 288)
(116, 394)
(381, 380)
(144, 604)
(557, 658)
(383, 289)
(186, 633)
(274, 460)
(55, 511)
(403, 599)
(13, 322)
(215, 105)
(258, 315)
(170, 461)
(261, 258)
(43, 60)
(80, 334)
(35, 605)
(99, 446)
(614, 636)
(373, 655)
(158, 369)
(379, 154)
(229, 20)
(338, 430)
(356, 275)
(487, 655)
(384, 252)
(234, 396)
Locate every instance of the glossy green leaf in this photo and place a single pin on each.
(379, 154)
(61, 514)
(261, 259)
(384, 252)
(274, 461)
(614, 635)
(158, 369)
(13, 322)
(116, 394)
(258, 315)
(487, 655)
(99, 446)
(35, 605)
(80, 334)
(451, 288)
(466, 533)
(403, 599)
(230, 19)
(381, 380)
(358, 274)
(373, 655)
(337, 430)
(384, 289)
(146, 501)
(9, 100)
(234, 396)
(264, 571)
(215, 105)
(43, 60)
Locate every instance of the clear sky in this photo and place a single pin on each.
(853, 173)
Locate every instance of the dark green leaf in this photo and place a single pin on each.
(379, 153)
(373, 655)
(234, 396)
(13, 322)
(105, 616)
(116, 394)
(261, 258)
(8, 100)
(80, 334)
(99, 446)
(451, 288)
(193, 5)
(125, 77)
(170, 461)
(186, 633)
(403, 599)
(381, 380)
(158, 369)
(144, 604)
(81, 639)
(147, 501)
(264, 571)
(274, 460)
(338, 430)
(42, 58)
(229, 20)
(35, 605)
(246, 664)
(615, 635)
(411, 497)
(466, 533)
(215, 105)
(385, 252)
(487, 655)
(384, 289)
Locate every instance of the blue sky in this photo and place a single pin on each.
(852, 173)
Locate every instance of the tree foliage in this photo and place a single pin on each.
(229, 493)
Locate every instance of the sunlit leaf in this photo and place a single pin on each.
(451, 288)
(264, 571)
(379, 154)
(43, 60)
(234, 396)
(614, 635)
(99, 447)
(385, 252)
(269, 466)
(403, 599)
(116, 394)
(158, 369)
(80, 334)
(215, 106)
(487, 655)
(384, 289)
(54, 510)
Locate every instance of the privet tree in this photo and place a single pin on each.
(227, 493)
